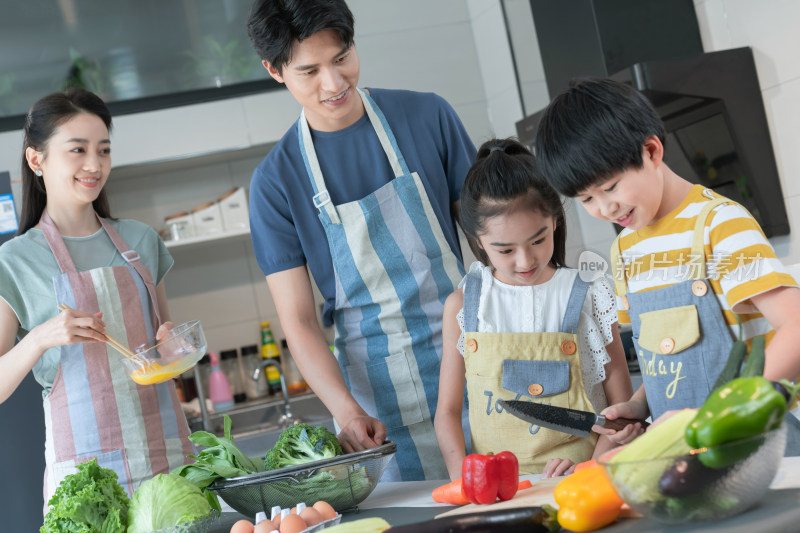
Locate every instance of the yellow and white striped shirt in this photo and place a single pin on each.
(740, 261)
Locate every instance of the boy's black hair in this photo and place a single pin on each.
(275, 25)
(594, 129)
(503, 179)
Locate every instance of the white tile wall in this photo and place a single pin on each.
(769, 27)
(418, 45)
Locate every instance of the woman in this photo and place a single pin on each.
(70, 251)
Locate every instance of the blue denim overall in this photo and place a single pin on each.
(680, 368)
(393, 271)
(544, 367)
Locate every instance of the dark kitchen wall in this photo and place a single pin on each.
(601, 37)
(22, 459)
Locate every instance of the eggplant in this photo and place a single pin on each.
(518, 520)
(688, 476)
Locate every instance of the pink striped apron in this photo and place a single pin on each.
(94, 409)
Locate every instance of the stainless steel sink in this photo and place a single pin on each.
(255, 425)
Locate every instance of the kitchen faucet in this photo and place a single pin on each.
(287, 418)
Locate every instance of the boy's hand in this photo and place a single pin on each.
(630, 409)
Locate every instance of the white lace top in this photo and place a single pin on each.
(541, 308)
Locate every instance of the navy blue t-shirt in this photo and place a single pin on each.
(284, 223)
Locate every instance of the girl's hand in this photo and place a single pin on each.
(70, 326)
(163, 329)
(558, 467)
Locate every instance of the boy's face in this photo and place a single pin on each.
(322, 76)
(631, 198)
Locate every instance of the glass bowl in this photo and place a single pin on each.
(178, 351)
(343, 481)
(681, 489)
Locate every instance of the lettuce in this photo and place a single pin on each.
(163, 501)
(89, 500)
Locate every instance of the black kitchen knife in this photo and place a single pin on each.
(562, 419)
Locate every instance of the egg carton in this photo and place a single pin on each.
(298, 509)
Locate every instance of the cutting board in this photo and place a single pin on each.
(541, 493)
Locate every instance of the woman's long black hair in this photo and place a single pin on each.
(41, 122)
(503, 178)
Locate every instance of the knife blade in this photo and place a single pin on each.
(562, 419)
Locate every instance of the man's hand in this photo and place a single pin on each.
(362, 433)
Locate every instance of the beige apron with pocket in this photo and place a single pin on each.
(538, 367)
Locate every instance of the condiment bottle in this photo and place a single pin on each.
(250, 361)
(218, 389)
(270, 350)
(294, 379)
(229, 363)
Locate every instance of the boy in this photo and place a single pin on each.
(602, 142)
(362, 189)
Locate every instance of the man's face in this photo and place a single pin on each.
(322, 76)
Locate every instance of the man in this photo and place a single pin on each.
(364, 190)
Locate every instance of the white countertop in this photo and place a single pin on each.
(418, 493)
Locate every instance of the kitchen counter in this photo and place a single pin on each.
(408, 502)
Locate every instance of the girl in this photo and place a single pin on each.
(69, 250)
(523, 326)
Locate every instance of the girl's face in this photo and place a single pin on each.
(519, 245)
(77, 160)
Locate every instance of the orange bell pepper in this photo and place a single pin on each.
(587, 500)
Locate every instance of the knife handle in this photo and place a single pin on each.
(619, 423)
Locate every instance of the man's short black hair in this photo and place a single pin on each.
(274, 26)
(594, 129)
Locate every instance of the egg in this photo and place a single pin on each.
(311, 516)
(292, 524)
(325, 509)
(242, 526)
(265, 526)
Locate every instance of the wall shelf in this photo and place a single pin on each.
(194, 242)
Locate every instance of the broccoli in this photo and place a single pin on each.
(302, 443)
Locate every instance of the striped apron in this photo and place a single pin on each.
(680, 334)
(393, 271)
(94, 409)
(541, 367)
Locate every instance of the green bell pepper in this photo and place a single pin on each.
(743, 408)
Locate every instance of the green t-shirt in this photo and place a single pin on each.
(27, 269)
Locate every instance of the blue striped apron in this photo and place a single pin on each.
(393, 271)
(94, 409)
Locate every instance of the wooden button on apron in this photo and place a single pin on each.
(535, 389)
(699, 288)
(568, 347)
(625, 303)
(472, 345)
(667, 345)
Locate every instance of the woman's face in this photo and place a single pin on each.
(519, 245)
(77, 160)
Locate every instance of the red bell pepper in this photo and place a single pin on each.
(488, 477)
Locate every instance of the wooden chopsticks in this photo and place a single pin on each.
(121, 348)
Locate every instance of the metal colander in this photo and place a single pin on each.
(201, 525)
(343, 481)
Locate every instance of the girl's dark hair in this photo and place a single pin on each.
(591, 131)
(501, 180)
(274, 26)
(41, 122)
